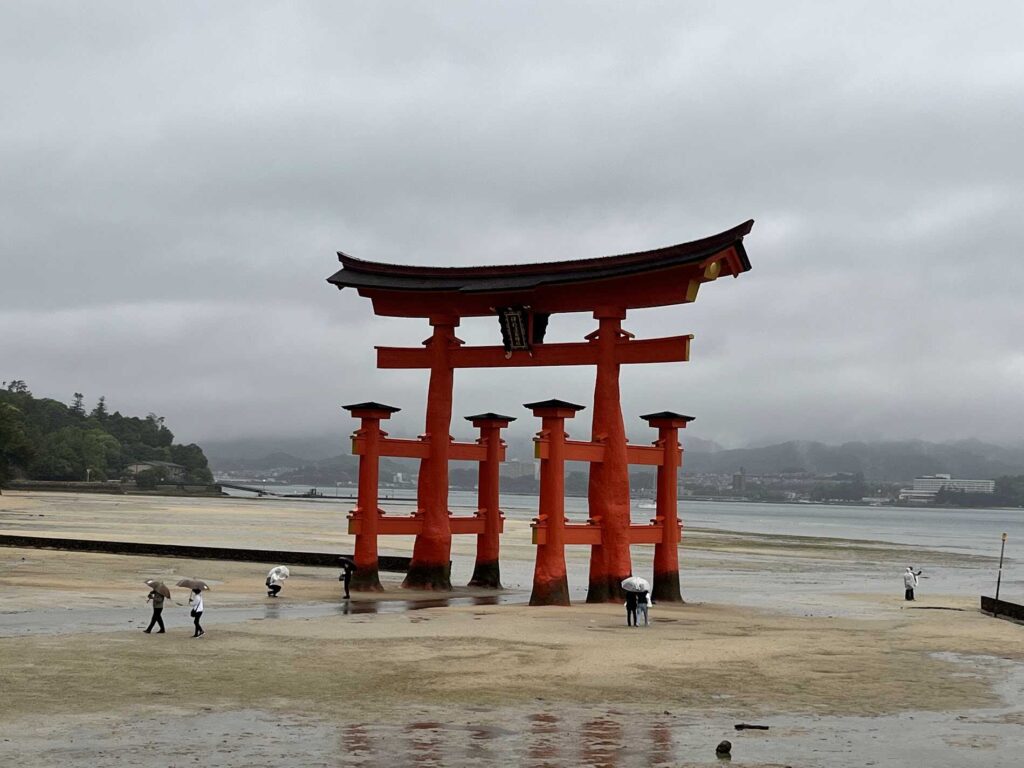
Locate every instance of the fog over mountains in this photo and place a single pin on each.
(890, 461)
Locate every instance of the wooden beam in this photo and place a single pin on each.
(645, 455)
(389, 526)
(395, 448)
(572, 533)
(474, 524)
(672, 349)
(412, 525)
(646, 534)
(420, 449)
(586, 533)
(466, 452)
(575, 450)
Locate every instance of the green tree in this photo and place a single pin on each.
(73, 453)
(47, 440)
(149, 479)
(16, 450)
(100, 411)
(192, 458)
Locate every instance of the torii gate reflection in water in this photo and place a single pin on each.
(523, 297)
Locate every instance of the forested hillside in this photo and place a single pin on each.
(44, 439)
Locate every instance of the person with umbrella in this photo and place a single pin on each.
(643, 604)
(158, 592)
(910, 582)
(196, 601)
(346, 575)
(275, 578)
(635, 588)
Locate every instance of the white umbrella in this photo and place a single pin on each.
(279, 572)
(636, 584)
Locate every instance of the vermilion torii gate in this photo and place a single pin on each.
(523, 297)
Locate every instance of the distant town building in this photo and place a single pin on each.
(739, 481)
(927, 488)
(517, 468)
(173, 472)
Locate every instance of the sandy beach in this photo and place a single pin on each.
(849, 677)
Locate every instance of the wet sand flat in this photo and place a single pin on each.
(309, 680)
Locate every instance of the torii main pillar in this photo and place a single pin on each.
(431, 556)
(608, 490)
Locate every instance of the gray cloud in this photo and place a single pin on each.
(177, 179)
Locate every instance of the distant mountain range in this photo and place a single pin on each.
(894, 461)
(881, 461)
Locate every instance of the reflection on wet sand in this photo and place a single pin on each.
(543, 735)
(537, 740)
(602, 742)
(660, 739)
(426, 744)
(357, 743)
(351, 607)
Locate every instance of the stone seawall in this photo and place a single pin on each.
(269, 556)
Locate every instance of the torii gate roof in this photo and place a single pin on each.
(660, 277)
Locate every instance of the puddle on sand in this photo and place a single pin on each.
(546, 737)
(56, 621)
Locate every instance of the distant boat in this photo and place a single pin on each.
(647, 505)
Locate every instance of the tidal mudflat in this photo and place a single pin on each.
(842, 671)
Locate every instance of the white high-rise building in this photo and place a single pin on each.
(935, 483)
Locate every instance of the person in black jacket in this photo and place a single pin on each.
(631, 603)
(158, 609)
(346, 575)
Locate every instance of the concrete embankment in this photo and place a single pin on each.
(323, 559)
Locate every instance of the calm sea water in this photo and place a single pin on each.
(960, 531)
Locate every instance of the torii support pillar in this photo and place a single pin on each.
(550, 583)
(666, 554)
(366, 577)
(486, 572)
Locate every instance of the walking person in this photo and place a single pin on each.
(196, 601)
(632, 599)
(910, 582)
(643, 602)
(346, 575)
(158, 608)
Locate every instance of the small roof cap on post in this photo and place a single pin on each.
(490, 416)
(369, 409)
(554, 407)
(667, 419)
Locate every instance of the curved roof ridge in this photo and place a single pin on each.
(694, 247)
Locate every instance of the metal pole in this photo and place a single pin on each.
(999, 578)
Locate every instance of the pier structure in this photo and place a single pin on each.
(524, 298)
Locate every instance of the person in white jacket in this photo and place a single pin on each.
(910, 581)
(196, 601)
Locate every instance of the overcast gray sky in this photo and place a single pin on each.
(177, 177)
